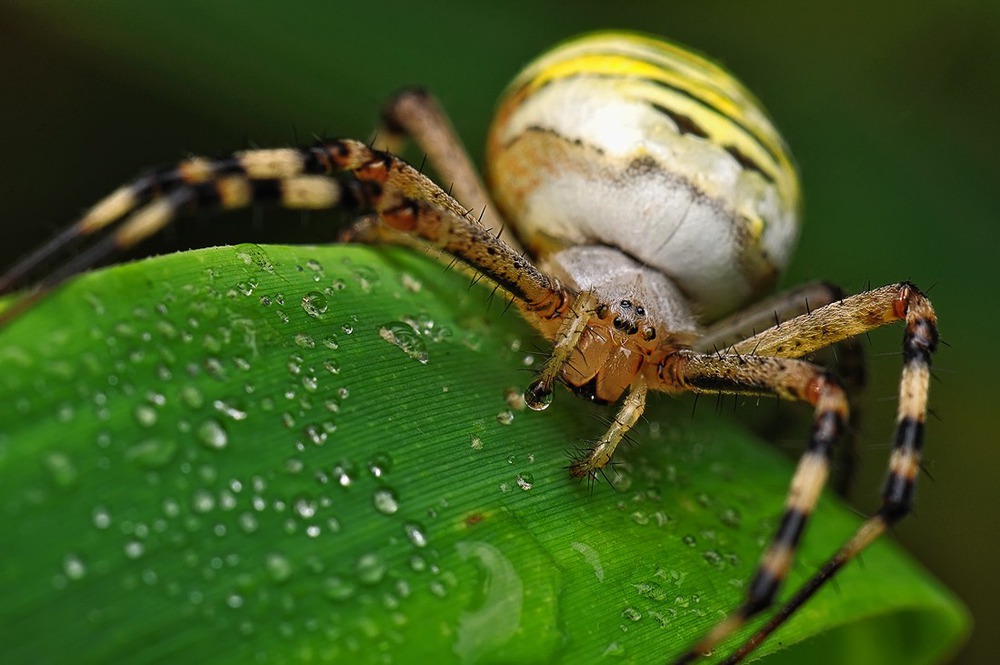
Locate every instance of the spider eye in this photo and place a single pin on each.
(649, 334)
(602, 311)
(640, 311)
(625, 304)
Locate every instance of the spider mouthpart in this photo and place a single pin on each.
(538, 396)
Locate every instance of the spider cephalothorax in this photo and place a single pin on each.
(655, 199)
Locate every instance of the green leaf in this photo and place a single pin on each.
(293, 454)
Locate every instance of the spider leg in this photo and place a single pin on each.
(780, 311)
(416, 113)
(600, 454)
(789, 379)
(329, 174)
(539, 394)
(767, 313)
(832, 323)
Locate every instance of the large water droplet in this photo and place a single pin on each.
(202, 501)
(212, 435)
(145, 415)
(314, 303)
(406, 338)
(385, 501)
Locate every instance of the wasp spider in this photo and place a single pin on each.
(657, 203)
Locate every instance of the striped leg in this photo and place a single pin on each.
(835, 322)
(330, 174)
(788, 379)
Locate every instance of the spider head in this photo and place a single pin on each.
(628, 317)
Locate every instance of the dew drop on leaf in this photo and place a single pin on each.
(212, 435)
(405, 337)
(385, 501)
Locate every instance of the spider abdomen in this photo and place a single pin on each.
(627, 141)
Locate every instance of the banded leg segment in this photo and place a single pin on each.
(330, 174)
(853, 316)
(788, 379)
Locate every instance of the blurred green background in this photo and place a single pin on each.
(890, 110)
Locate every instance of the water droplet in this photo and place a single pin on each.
(134, 549)
(145, 415)
(212, 434)
(505, 417)
(370, 568)
(192, 397)
(305, 507)
(310, 382)
(62, 471)
(338, 588)
(525, 481)
(631, 614)
(385, 501)
(380, 465)
(247, 522)
(405, 337)
(202, 501)
(343, 473)
(651, 590)
(73, 567)
(616, 649)
(713, 558)
(730, 517)
(689, 540)
(152, 453)
(227, 409)
(279, 568)
(100, 517)
(640, 518)
(314, 304)
(475, 442)
(415, 534)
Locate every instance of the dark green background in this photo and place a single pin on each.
(889, 109)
